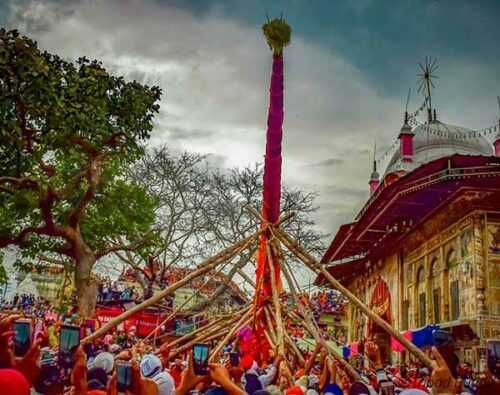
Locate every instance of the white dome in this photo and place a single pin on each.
(437, 140)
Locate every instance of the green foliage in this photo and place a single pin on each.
(128, 209)
(60, 121)
(278, 34)
(3, 274)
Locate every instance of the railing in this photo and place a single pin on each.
(442, 175)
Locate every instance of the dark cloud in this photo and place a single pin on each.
(176, 133)
(327, 163)
(347, 73)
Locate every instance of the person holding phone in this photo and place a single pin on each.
(152, 368)
(27, 365)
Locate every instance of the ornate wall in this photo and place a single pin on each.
(452, 277)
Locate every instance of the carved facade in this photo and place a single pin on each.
(451, 279)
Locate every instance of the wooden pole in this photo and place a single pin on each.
(179, 308)
(295, 349)
(276, 302)
(316, 267)
(205, 267)
(210, 325)
(268, 337)
(201, 339)
(246, 277)
(270, 325)
(308, 324)
(244, 320)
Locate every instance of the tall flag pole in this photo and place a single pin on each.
(278, 34)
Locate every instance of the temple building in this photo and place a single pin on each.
(425, 247)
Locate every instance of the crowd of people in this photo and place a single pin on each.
(108, 291)
(327, 302)
(158, 370)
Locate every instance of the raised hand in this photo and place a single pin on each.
(28, 364)
(443, 382)
(6, 333)
(79, 373)
(189, 379)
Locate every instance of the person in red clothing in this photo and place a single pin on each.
(13, 382)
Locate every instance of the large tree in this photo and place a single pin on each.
(67, 129)
(203, 210)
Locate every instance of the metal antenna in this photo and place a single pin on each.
(406, 107)
(408, 99)
(426, 78)
(498, 100)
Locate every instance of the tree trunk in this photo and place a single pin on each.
(86, 287)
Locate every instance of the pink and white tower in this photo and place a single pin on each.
(496, 142)
(406, 141)
(375, 177)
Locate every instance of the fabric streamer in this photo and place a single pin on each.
(396, 345)
(354, 348)
(346, 352)
(423, 337)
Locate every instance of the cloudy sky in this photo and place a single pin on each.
(347, 74)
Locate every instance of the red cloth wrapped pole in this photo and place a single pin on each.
(277, 34)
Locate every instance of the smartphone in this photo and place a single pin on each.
(22, 337)
(387, 387)
(443, 340)
(493, 356)
(200, 359)
(234, 358)
(69, 340)
(50, 375)
(123, 376)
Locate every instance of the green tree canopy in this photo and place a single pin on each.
(67, 130)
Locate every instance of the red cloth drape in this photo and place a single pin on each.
(380, 303)
(271, 196)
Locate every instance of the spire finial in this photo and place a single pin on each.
(426, 81)
(498, 100)
(406, 108)
(374, 176)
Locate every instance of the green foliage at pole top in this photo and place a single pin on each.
(278, 34)
(67, 130)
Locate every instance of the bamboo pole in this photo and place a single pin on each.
(216, 331)
(245, 319)
(205, 325)
(287, 338)
(202, 339)
(270, 325)
(205, 267)
(246, 277)
(179, 308)
(315, 266)
(276, 302)
(268, 337)
(308, 324)
(295, 349)
(205, 331)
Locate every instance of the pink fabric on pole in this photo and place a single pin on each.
(397, 346)
(354, 348)
(272, 162)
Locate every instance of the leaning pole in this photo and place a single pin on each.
(277, 33)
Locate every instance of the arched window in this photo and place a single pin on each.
(421, 287)
(452, 266)
(436, 290)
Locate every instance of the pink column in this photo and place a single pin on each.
(373, 185)
(496, 144)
